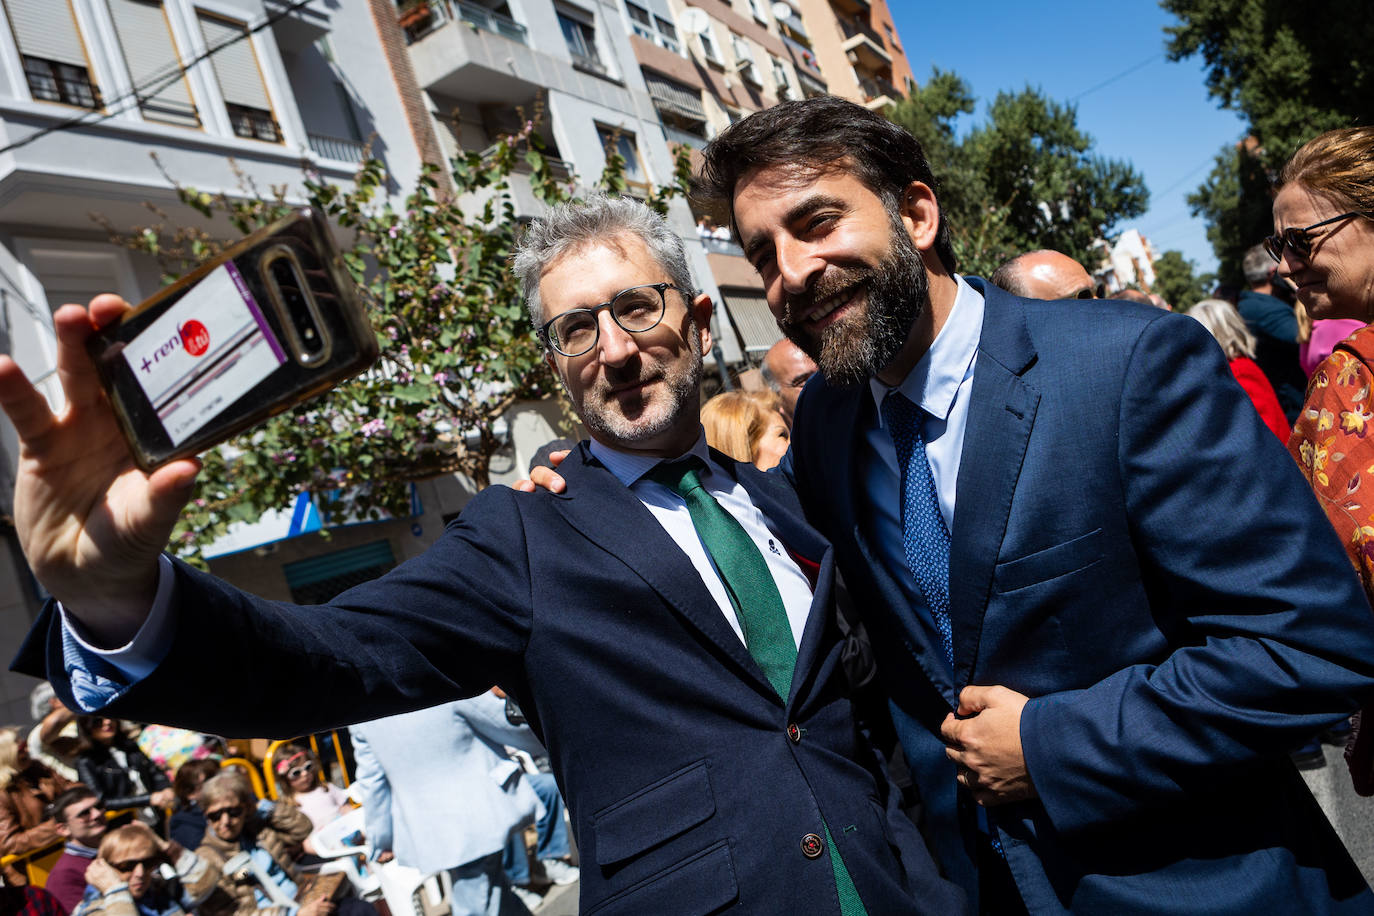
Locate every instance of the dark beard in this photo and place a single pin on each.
(851, 351)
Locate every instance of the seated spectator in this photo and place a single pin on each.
(272, 834)
(299, 783)
(121, 775)
(28, 901)
(747, 426)
(27, 787)
(125, 880)
(81, 822)
(55, 740)
(1223, 321)
(188, 825)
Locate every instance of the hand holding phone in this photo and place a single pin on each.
(101, 484)
(90, 522)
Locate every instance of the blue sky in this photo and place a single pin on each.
(1158, 115)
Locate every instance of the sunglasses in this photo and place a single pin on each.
(86, 814)
(234, 811)
(1300, 240)
(307, 769)
(128, 865)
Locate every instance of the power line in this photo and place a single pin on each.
(1124, 73)
(156, 83)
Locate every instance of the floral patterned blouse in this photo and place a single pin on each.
(1333, 442)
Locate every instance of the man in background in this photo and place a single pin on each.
(1045, 274)
(1275, 327)
(787, 369)
(81, 821)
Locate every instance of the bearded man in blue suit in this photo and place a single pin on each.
(1104, 603)
(668, 628)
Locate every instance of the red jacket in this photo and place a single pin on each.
(1261, 395)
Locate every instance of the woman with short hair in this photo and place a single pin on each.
(1223, 321)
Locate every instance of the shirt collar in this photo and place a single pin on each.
(628, 467)
(934, 381)
(76, 849)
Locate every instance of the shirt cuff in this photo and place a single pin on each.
(99, 676)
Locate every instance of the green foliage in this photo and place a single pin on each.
(1176, 279)
(456, 345)
(1024, 179)
(1293, 70)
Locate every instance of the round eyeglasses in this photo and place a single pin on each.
(635, 310)
(1300, 240)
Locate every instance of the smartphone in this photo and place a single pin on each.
(273, 321)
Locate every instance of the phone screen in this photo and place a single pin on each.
(204, 353)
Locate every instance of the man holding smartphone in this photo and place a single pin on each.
(668, 629)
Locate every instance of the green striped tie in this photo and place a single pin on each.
(758, 606)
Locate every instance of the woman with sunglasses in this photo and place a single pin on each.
(127, 878)
(1324, 243)
(121, 774)
(272, 835)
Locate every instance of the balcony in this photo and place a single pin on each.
(463, 50)
(423, 18)
(804, 59)
(851, 7)
(878, 93)
(864, 48)
(336, 148)
(672, 97)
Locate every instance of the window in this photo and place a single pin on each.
(641, 21)
(580, 35)
(154, 67)
(55, 65)
(780, 78)
(757, 8)
(616, 141)
(240, 81)
(708, 47)
(744, 60)
(667, 35)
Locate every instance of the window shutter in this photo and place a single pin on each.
(43, 28)
(235, 65)
(152, 58)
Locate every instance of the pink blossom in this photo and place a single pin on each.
(372, 428)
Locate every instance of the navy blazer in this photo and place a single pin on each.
(691, 784)
(1135, 551)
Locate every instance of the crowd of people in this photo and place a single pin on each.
(1087, 600)
(156, 826)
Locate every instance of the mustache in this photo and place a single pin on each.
(831, 283)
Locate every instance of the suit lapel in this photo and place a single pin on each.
(614, 520)
(1001, 414)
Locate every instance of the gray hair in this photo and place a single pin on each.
(1223, 322)
(599, 218)
(1257, 265)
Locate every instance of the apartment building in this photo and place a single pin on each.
(90, 92)
(857, 49)
(485, 65)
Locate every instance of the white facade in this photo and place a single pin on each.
(478, 67)
(1127, 262)
(91, 91)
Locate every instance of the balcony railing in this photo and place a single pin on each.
(336, 148)
(559, 168)
(675, 97)
(722, 246)
(878, 88)
(445, 11)
(803, 56)
(851, 29)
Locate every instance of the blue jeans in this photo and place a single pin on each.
(553, 832)
(480, 889)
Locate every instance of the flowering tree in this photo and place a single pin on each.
(456, 346)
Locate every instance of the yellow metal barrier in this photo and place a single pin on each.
(250, 769)
(38, 863)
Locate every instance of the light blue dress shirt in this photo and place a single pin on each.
(940, 383)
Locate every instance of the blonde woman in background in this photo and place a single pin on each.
(1222, 320)
(747, 426)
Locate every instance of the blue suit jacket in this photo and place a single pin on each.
(688, 791)
(1135, 551)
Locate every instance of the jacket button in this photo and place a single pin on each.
(812, 846)
(794, 733)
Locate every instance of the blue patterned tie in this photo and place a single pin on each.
(925, 539)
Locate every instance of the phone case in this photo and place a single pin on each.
(273, 321)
